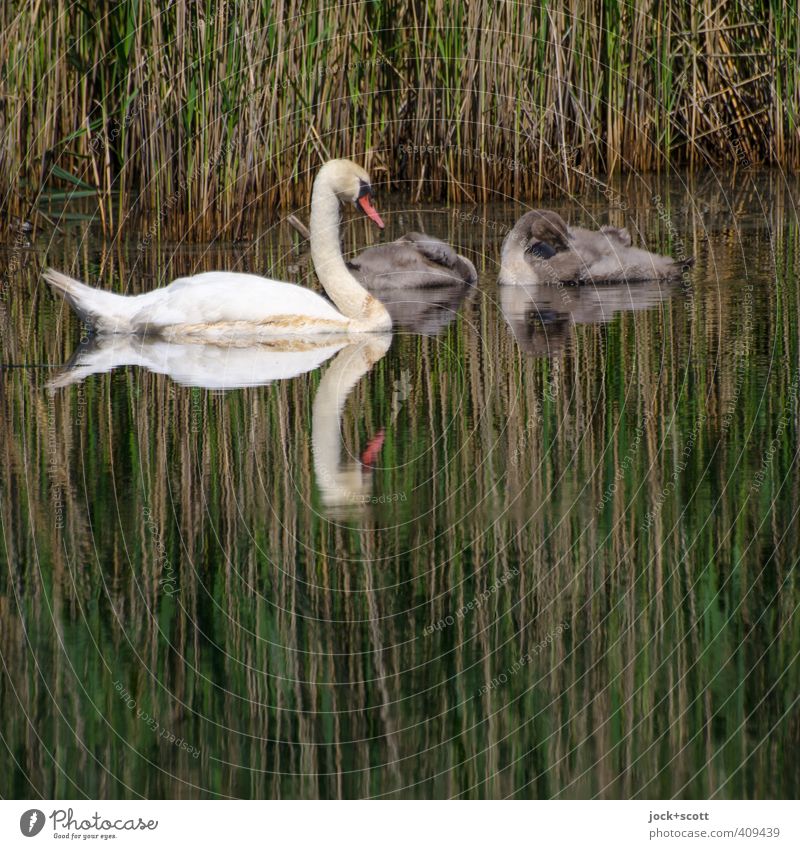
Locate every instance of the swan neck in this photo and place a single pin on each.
(351, 298)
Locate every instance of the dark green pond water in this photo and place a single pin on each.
(549, 549)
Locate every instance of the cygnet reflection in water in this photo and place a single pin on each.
(541, 317)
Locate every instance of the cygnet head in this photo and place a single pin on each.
(541, 233)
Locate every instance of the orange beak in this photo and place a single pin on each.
(368, 209)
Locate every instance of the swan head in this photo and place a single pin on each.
(541, 233)
(351, 184)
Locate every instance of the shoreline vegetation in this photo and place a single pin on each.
(186, 118)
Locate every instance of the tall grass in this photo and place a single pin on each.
(191, 114)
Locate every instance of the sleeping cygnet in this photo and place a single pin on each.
(541, 248)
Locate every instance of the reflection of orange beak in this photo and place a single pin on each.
(369, 209)
(370, 453)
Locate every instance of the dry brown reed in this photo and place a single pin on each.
(190, 116)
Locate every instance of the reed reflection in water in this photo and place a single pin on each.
(452, 562)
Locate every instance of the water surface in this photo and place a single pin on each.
(548, 550)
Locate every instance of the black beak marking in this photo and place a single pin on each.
(541, 250)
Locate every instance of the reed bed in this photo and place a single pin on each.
(190, 115)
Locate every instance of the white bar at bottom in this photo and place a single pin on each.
(400, 824)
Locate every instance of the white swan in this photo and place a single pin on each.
(222, 305)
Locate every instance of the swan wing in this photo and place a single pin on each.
(442, 254)
(218, 297)
(414, 250)
(411, 261)
(432, 249)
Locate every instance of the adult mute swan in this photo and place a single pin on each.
(541, 248)
(223, 305)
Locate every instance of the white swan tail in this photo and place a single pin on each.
(104, 311)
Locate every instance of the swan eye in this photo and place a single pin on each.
(364, 189)
(541, 250)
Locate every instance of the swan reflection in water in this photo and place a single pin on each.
(542, 316)
(206, 366)
(345, 487)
